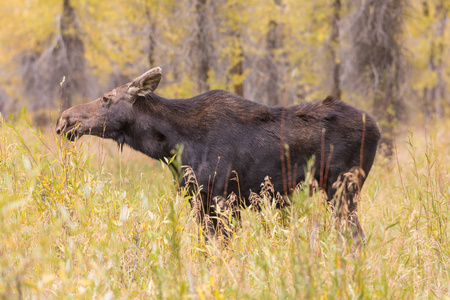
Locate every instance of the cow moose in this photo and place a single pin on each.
(223, 135)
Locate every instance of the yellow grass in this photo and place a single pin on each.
(85, 221)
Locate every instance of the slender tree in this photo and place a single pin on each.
(203, 45)
(151, 36)
(334, 49)
(434, 95)
(274, 42)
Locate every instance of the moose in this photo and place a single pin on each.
(232, 144)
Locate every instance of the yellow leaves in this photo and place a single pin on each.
(116, 34)
(183, 89)
(25, 25)
(425, 41)
(238, 78)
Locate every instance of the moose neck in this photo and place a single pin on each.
(160, 125)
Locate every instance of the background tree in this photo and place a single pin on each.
(334, 49)
(277, 52)
(274, 41)
(376, 59)
(204, 43)
(70, 52)
(64, 57)
(436, 15)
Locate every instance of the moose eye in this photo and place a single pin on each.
(105, 100)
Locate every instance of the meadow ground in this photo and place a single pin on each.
(86, 221)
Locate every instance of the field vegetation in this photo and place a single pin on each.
(84, 220)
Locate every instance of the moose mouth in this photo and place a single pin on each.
(71, 132)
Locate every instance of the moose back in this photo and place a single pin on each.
(232, 143)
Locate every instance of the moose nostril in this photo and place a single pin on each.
(58, 131)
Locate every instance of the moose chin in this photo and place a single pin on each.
(232, 144)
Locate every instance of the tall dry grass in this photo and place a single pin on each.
(85, 221)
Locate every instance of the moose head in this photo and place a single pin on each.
(106, 116)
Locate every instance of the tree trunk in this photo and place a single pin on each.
(203, 45)
(442, 15)
(73, 47)
(273, 42)
(434, 95)
(334, 48)
(151, 38)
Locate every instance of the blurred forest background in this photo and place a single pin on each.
(385, 56)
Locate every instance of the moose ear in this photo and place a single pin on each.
(146, 83)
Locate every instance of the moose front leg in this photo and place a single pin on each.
(204, 210)
(214, 215)
(199, 204)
